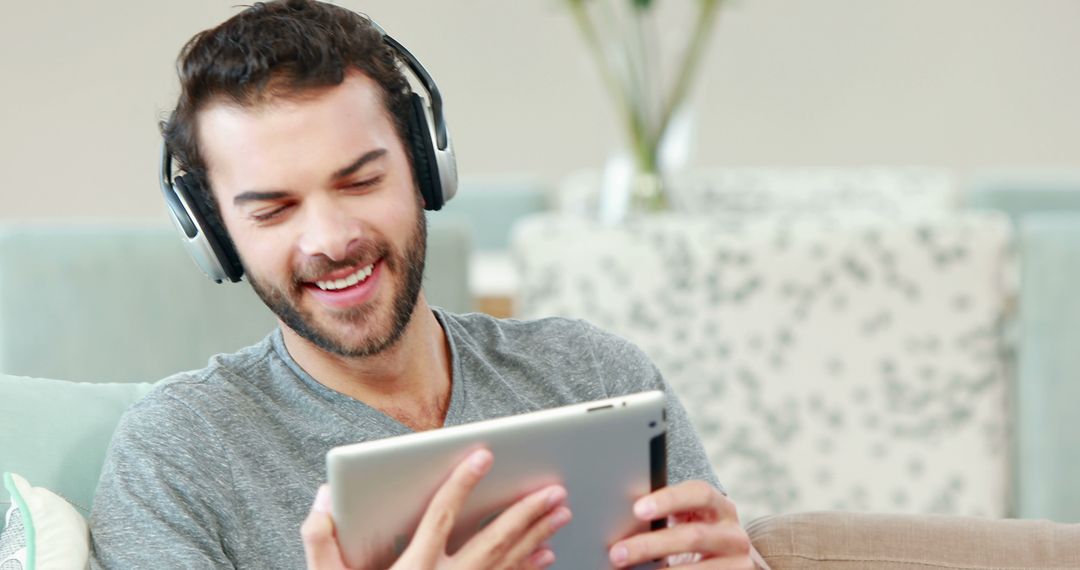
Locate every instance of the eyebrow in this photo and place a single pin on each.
(257, 196)
(261, 195)
(359, 163)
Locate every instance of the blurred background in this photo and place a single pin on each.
(863, 291)
(961, 84)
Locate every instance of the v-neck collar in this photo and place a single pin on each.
(351, 409)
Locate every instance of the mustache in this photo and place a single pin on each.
(360, 253)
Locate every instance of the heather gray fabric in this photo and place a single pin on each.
(218, 467)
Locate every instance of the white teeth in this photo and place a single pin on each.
(349, 281)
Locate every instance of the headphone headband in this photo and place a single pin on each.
(434, 96)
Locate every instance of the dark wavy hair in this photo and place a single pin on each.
(274, 50)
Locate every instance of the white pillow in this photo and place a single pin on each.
(42, 531)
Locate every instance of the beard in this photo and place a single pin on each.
(355, 342)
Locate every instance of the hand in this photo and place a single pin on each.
(514, 540)
(703, 530)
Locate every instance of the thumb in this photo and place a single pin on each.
(320, 545)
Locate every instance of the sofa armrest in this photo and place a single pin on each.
(834, 539)
(56, 432)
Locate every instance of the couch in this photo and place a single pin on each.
(62, 429)
(58, 429)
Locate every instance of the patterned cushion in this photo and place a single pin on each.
(847, 363)
(882, 192)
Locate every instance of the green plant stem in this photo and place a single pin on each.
(615, 55)
(645, 78)
(689, 65)
(633, 90)
(638, 131)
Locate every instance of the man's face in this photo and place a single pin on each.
(318, 196)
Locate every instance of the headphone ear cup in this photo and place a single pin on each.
(425, 166)
(218, 246)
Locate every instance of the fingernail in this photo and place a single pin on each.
(645, 508)
(545, 558)
(619, 554)
(560, 518)
(479, 461)
(322, 500)
(556, 496)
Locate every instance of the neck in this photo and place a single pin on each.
(409, 381)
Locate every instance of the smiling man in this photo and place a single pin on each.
(293, 129)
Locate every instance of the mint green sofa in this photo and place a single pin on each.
(1045, 207)
(489, 207)
(109, 303)
(135, 320)
(56, 432)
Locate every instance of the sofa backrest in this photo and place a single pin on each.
(126, 304)
(1045, 207)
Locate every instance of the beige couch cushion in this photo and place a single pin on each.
(819, 540)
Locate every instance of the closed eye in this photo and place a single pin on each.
(268, 216)
(273, 214)
(366, 183)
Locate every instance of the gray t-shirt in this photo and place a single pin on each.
(218, 467)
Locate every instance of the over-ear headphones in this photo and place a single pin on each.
(426, 136)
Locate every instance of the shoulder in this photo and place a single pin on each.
(560, 343)
(550, 335)
(195, 402)
(483, 326)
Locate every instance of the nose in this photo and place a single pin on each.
(328, 230)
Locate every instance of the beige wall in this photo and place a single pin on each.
(958, 83)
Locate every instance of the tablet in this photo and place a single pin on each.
(607, 453)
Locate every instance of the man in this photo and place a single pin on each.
(292, 126)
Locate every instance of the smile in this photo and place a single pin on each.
(359, 277)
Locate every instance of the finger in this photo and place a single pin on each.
(317, 531)
(711, 540)
(542, 558)
(438, 520)
(538, 534)
(510, 531)
(696, 497)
